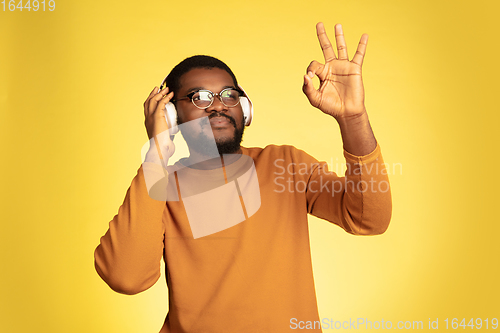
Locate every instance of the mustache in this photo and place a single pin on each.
(220, 114)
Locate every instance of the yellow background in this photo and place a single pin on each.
(72, 84)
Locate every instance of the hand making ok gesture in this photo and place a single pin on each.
(341, 92)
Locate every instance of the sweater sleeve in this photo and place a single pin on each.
(129, 254)
(361, 201)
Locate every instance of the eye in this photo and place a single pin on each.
(230, 94)
(201, 98)
(202, 95)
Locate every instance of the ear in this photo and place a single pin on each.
(247, 107)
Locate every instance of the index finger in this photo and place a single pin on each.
(326, 46)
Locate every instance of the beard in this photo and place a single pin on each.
(201, 142)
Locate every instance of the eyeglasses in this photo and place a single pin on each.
(202, 99)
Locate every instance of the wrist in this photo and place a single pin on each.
(353, 121)
(357, 134)
(161, 148)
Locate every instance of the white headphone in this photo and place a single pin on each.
(171, 112)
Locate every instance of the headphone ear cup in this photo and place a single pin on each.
(171, 116)
(246, 106)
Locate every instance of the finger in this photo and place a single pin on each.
(360, 52)
(153, 102)
(160, 108)
(167, 98)
(326, 46)
(146, 102)
(316, 68)
(151, 94)
(160, 105)
(341, 46)
(311, 93)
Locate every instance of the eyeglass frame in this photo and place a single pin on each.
(191, 94)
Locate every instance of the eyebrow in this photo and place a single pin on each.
(203, 88)
(194, 89)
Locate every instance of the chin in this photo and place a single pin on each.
(229, 145)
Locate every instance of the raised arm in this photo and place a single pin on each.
(365, 203)
(129, 254)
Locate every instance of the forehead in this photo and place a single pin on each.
(214, 79)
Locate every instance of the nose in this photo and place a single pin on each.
(217, 105)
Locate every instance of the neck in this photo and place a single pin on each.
(203, 162)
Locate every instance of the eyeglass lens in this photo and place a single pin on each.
(204, 98)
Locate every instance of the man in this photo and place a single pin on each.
(232, 225)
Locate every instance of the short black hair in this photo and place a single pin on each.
(197, 61)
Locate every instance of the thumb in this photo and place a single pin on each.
(311, 93)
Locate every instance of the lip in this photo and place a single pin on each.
(220, 122)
